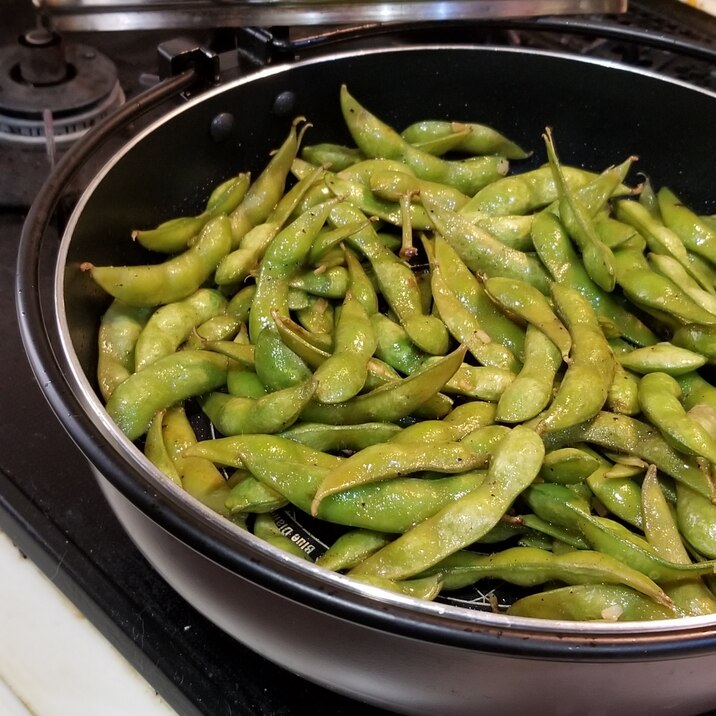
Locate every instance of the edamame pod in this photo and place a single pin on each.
(697, 235)
(199, 476)
(659, 399)
(518, 297)
(271, 413)
(691, 596)
(167, 381)
(532, 389)
(514, 466)
(591, 602)
(561, 260)
(586, 382)
(598, 258)
(524, 192)
(529, 567)
(171, 280)
(175, 235)
(662, 357)
(376, 139)
(485, 254)
(170, 325)
(474, 138)
(633, 437)
(119, 330)
(343, 374)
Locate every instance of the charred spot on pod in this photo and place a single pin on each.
(284, 103)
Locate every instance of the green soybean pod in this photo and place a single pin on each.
(597, 257)
(672, 269)
(554, 502)
(119, 329)
(223, 327)
(271, 413)
(691, 596)
(585, 385)
(659, 238)
(156, 452)
(696, 390)
(276, 365)
(479, 382)
(556, 252)
(471, 293)
(268, 188)
(525, 192)
(472, 137)
(252, 495)
(351, 548)
(361, 287)
(568, 465)
(295, 471)
(199, 476)
(529, 567)
(392, 212)
(515, 464)
(635, 438)
(700, 339)
(592, 602)
(623, 396)
(175, 235)
(173, 279)
(659, 397)
(377, 139)
(396, 459)
(465, 326)
(343, 374)
(696, 518)
(239, 263)
(513, 231)
(485, 254)
(337, 156)
(662, 357)
(160, 385)
(393, 345)
(397, 283)
(244, 383)
(655, 292)
(620, 495)
(531, 390)
(698, 236)
(335, 438)
(170, 325)
(265, 528)
(519, 298)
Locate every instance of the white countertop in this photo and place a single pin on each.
(53, 661)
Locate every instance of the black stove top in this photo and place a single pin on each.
(50, 504)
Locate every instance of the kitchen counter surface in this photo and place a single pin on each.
(53, 661)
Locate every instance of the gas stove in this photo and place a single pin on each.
(46, 489)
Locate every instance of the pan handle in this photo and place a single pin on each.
(569, 25)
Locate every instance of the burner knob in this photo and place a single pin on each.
(42, 58)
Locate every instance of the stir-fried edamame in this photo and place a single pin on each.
(466, 374)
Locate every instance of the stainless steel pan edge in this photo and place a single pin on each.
(219, 544)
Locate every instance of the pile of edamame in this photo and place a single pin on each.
(472, 371)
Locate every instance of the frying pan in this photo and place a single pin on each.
(385, 649)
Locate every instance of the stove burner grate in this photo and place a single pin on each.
(51, 93)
